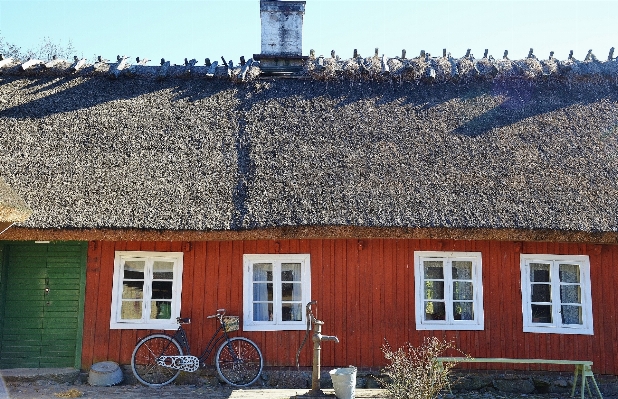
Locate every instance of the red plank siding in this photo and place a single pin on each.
(365, 292)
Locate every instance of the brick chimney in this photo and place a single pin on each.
(282, 36)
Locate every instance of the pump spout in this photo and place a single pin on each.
(328, 338)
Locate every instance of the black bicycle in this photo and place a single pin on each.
(159, 358)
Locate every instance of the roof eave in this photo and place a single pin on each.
(314, 232)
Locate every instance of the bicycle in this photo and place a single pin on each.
(159, 358)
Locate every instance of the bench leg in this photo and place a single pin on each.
(597, 387)
(440, 368)
(575, 380)
(588, 373)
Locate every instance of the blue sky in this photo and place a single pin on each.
(175, 29)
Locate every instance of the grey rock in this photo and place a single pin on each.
(542, 384)
(514, 385)
(372, 382)
(471, 383)
(360, 382)
(609, 388)
(185, 378)
(293, 379)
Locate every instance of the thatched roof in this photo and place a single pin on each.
(12, 207)
(182, 152)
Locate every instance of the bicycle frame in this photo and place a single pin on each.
(181, 337)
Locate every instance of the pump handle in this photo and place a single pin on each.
(310, 319)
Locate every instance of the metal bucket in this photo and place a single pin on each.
(105, 374)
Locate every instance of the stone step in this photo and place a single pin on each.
(60, 375)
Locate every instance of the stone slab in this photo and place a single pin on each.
(60, 375)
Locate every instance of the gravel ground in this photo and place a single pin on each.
(46, 389)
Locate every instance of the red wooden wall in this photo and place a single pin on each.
(365, 293)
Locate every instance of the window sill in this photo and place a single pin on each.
(171, 325)
(455, 327)
(274, 327)
(449, 327)
(558, 330)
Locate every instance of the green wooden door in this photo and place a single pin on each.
(42, 307)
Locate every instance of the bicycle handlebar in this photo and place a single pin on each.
(220, 313)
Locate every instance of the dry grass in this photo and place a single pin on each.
(70, 393)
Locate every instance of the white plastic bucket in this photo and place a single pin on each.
(344, 382)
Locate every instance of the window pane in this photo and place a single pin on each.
(433, 269)
(462, 290)
(570, 294)
(132, 290)
(291, 292)
(290, 272)
(541, 293)
(435, 310)
(262, 291)
(131, 310)
(463, 311)
(161, 290)
(539, 272)
(434, 289)
(571, 314)
(134, 269)
(163, 270)
(541, 314)
(462, 270)
(292, 312)
(262, 272)
(569, 273)
(262, 311)
(160, 310)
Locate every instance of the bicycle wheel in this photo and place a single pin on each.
(239, 362)
(144, 360)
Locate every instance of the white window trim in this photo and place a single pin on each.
(477, 279)
(276, 259)
(584, 263)
(115, 320)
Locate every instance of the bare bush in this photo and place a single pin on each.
(413, 372)
(45, 51)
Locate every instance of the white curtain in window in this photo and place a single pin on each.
(262, 277)
(291, 284)
(570, 294)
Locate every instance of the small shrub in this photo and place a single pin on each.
(413, 373)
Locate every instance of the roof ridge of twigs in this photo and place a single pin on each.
(423, 69)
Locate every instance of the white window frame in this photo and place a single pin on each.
(276, 259)
(116, 321)
(583, 261)
(478, 323)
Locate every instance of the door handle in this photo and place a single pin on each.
(47, 291)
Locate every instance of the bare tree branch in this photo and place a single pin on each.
(45, 51)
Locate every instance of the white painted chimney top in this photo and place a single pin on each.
(282, 27)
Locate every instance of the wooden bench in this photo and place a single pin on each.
(581, 366)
